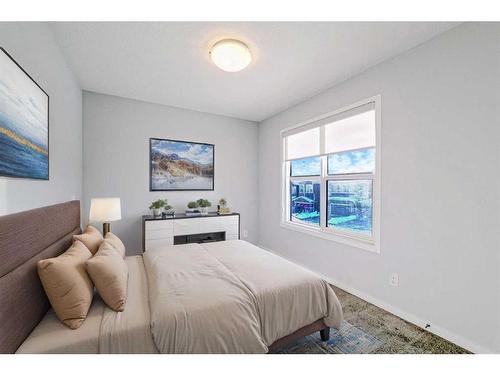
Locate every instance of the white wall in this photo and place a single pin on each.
(116, 134)
(440, 187)
(33, 46)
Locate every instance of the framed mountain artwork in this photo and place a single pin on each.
(180, 165)
(24, 123)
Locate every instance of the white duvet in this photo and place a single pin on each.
(231, 297)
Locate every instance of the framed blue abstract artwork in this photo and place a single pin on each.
(24, 123)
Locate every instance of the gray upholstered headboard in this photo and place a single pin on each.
(25, 238)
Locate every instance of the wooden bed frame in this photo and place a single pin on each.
(29, 236)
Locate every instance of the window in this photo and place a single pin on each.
(304, 202)
(331, 176)
(349, 205)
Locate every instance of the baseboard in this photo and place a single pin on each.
(437, 330)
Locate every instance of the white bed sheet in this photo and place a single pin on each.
(104, 330)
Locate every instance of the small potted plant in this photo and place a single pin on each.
(204, 204)
(167, 210)
(158, 206)
(193, 208)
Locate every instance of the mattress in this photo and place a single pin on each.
(104, 330)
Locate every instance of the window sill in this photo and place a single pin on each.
(346, 240)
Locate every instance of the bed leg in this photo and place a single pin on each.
(325, 334)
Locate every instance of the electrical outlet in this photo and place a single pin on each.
(394, 280)
(245, 233)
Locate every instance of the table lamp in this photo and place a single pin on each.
(105, 210)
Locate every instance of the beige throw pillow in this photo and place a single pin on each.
(116, 243)
(109, 272)
(67, 284)
(91, 238)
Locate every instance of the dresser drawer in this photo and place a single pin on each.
(160, 224)
(229, 220)
(154, 244)
(196, 225)
(230, 225)
(154, 234)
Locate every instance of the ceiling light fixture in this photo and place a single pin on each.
(231, 55)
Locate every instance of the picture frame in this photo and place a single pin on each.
(24, 123)
(176, 165)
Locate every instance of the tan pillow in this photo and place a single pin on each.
(116, 243)
(109, 272)
(91, 238)
(67, 284)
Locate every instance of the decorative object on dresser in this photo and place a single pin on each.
(160, 206)
(180, 165)
(193, 209)
(105, 210)
(204, 204)
(222, 208)
(159, 232)
(24, 123)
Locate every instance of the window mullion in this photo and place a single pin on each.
(286, 191)
(351, 176)
(322, 198)
(305, 178)
(322, 143)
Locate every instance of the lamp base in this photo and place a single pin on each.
(106, 227)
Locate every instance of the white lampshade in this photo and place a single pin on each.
(105, 210)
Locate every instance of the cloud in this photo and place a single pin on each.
(352, 161)
(306, 167)
(23, 106)
(200, 153)
(197, 152)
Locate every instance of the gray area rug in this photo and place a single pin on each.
(368, 329)
(348, 340)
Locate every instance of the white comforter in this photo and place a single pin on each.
(231, 297)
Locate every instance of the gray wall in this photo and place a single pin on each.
(33, 46)
(440, 187)
(116, 134)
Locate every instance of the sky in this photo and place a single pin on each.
(358, 161)
(197, 152)
(352, 161)
(23, 106)
(306, 167)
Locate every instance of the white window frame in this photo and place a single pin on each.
(341, 236)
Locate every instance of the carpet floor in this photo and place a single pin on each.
(368, 329)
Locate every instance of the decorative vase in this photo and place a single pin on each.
(156, 212)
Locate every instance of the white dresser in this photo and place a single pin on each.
(158, 232)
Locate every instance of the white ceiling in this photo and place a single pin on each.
(168, 62)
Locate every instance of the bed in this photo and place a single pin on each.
(223, 297)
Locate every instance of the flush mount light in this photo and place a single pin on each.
(230, 55)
